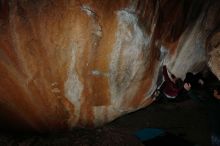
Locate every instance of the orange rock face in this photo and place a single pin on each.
(66, 63)
(214, 55)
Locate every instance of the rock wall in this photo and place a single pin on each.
(67, 63)
(214, 55)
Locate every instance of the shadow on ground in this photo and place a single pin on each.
(186, 119)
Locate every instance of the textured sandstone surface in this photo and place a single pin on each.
(214, 55)
(66, 63)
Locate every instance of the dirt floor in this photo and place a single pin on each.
(186, 119)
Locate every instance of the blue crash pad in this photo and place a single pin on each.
(149, 133)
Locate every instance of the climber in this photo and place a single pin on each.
(170, 87)
(195, 80)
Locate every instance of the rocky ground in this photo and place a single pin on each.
(104, 136)
(186, 119)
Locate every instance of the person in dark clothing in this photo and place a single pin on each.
(195, 80)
